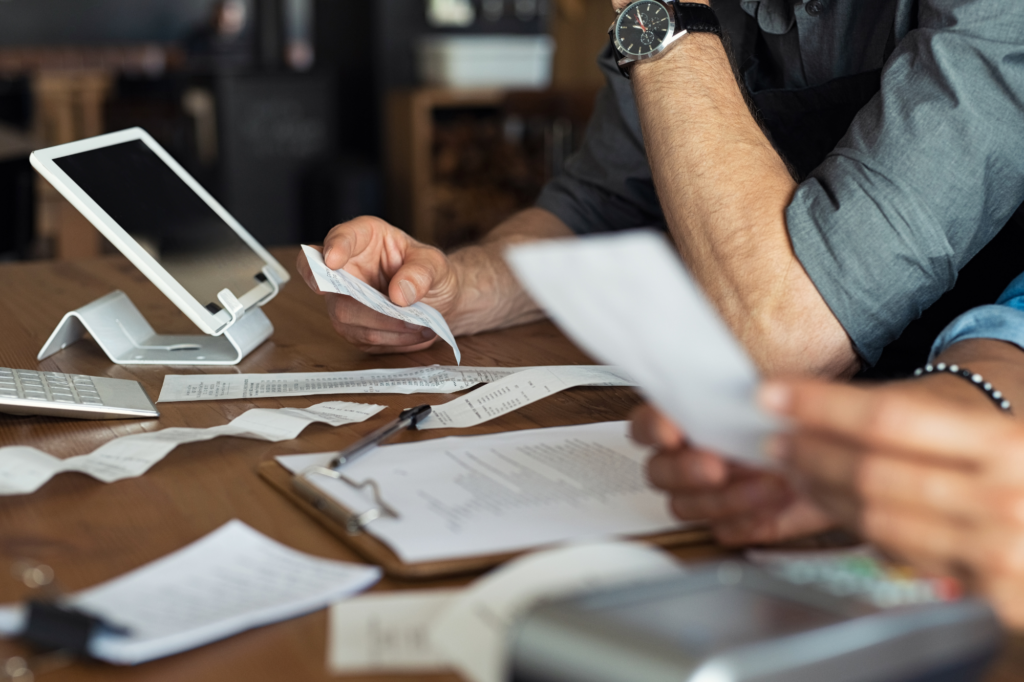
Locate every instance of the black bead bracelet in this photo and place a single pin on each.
(995, 396)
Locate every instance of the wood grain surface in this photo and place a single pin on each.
(90, 532)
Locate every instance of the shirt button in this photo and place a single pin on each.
(814, 7)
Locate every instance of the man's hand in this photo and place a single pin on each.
(936, 482)
(743, 505)
(472, 288)
(397, 265)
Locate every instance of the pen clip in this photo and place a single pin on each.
(408, 419)
(415, 415)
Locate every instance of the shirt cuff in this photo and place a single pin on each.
(999, 322)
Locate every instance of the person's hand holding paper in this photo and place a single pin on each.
(627, 300)
(368, 304)
(392, 262)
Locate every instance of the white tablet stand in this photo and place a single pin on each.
(127, 338)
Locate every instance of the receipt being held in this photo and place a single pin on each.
(627, 300)
(341, 282)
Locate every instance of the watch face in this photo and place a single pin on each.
(642, 28)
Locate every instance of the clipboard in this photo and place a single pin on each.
(350, 528)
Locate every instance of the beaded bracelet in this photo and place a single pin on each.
(976, 379)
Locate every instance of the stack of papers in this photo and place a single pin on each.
(232, 580)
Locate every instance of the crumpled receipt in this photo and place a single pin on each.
(25, 469)
(341, 282)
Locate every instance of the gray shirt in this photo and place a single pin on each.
(929, 171)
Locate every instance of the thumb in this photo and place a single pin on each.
(423, 269)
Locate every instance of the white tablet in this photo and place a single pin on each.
(167, 225)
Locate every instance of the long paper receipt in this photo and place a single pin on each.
(627, 300)
(404, 381)
(341, 282)
(229, 581)
(478, 495)
(25, 469)
(515, 391)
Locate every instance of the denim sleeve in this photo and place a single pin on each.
(1003, 321)
(929, 171)
(607, 185)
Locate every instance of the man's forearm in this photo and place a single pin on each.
(724, 191)
(489, 296)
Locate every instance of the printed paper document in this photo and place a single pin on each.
(25, 469)
(386, 632)
(433, 379)
(515, 391)
(478, 495)
(627, 300)
(232, 580)
(341, 282)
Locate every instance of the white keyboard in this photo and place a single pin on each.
(27, 392)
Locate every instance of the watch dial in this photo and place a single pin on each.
(642, 28)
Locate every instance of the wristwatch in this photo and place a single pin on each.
(646, 28)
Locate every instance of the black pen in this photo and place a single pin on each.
(407, 420)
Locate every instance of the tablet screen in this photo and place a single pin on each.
(170, 221)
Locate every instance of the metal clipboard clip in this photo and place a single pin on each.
(354, 523)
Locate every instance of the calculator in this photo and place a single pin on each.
(734, 622)
(52, 394)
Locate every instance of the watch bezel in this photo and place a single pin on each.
(629, 57)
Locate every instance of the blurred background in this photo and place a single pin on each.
(443, 116)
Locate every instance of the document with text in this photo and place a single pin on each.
(341, 282)
(387, 632)
(515, 391)
(229, 581)
(404, 381)
(460, 497)
(628, 300)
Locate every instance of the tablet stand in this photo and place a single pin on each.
(126, 337)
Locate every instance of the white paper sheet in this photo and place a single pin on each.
(406, 381)
(515, 391)
(341, 282)
(386, 632)
(25, 469)
(232, 580)
(473, 632)
(478, 495)
(627, 300)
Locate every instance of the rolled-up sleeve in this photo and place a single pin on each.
(1003, 321)
(607, 185)
(927, 174)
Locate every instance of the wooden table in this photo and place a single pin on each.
(90, 532)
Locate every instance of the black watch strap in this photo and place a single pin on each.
(694, 17)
